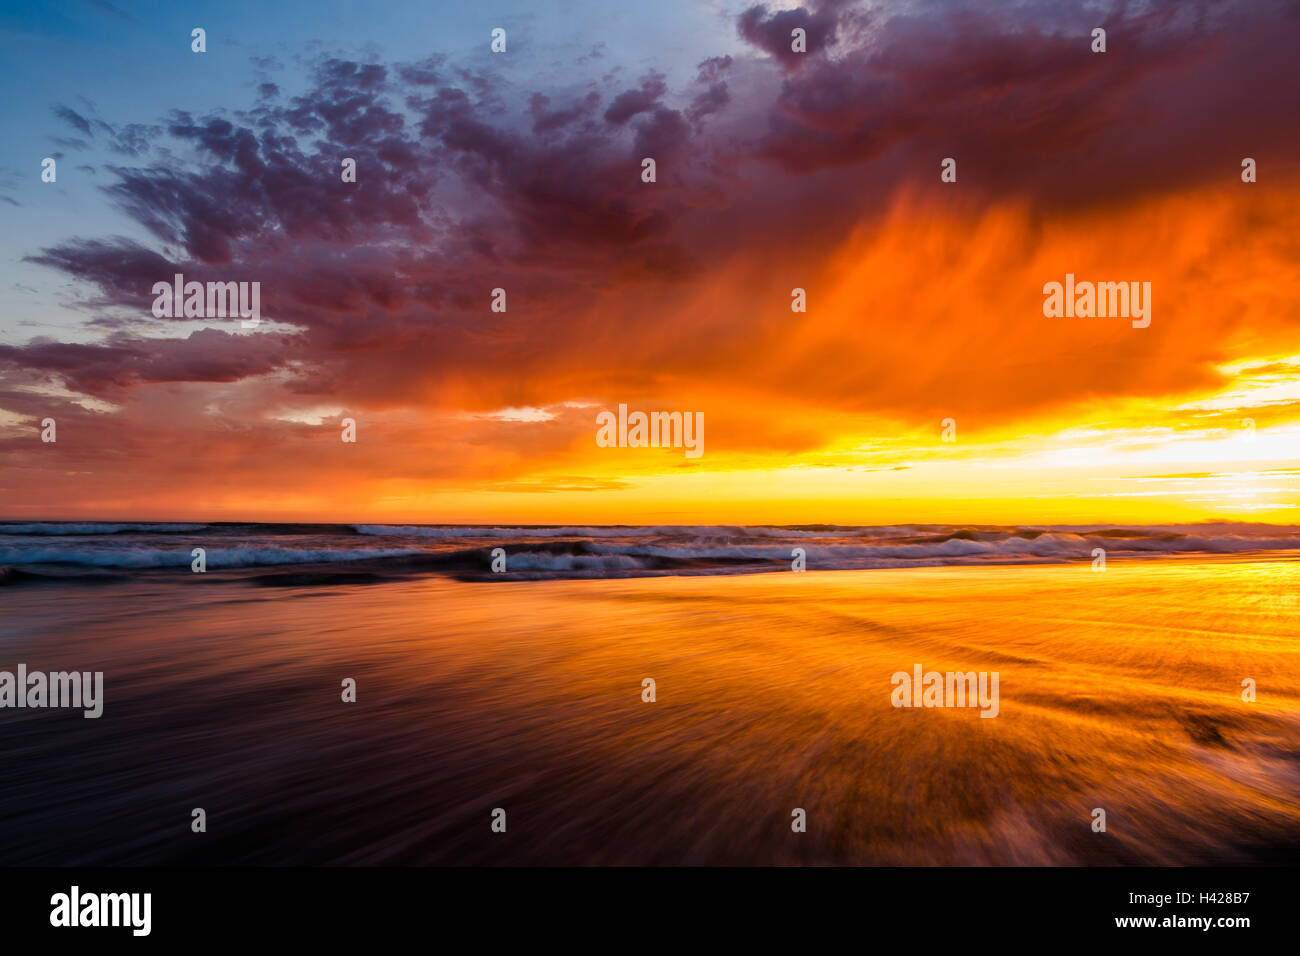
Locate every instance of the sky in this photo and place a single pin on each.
(924, 383)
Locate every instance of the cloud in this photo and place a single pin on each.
(73, 119)
(773, 173)
(771, 31)
(209, 355)
(631, 102)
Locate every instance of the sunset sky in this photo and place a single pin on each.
(776, 170)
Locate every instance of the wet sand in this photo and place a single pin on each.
(1119, 690)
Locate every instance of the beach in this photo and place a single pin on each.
(1120, 690)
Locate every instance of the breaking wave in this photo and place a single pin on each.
(59, 548)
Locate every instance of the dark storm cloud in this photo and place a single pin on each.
(458, 192)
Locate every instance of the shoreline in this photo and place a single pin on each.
(1119, 690)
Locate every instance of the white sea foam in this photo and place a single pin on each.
(586, 549)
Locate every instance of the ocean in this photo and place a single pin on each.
(288, 553)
